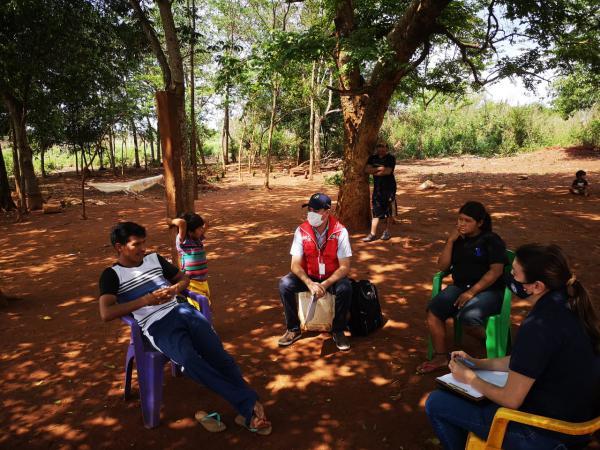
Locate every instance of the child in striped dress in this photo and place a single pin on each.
(192, 256)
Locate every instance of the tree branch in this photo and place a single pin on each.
(153, 40)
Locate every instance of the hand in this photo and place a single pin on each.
(454, 235)
(461, 373)
(463, 299)
(463, 355)
(169, 222)
(151, 299)
(165, 294)
(316, 289)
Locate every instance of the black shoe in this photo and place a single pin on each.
(370, 238)
(341, 341)
(386, 236)
(289, 338)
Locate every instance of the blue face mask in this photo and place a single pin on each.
(516, 286)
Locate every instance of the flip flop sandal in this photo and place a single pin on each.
(211, 422)
(241, 421)
(429, 367)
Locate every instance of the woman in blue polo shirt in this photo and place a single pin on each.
(554, 368)
(476, 256)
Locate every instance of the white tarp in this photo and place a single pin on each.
(128, 186)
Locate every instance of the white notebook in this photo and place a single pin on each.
(492, 377)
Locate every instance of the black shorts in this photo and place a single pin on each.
(382, 204)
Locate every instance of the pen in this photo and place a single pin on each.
(465, 362)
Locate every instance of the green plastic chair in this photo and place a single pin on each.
(497, 328)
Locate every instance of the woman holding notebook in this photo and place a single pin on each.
(554, 368)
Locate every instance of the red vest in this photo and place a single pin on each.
(313, 255)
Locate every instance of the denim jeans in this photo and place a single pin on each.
(185, 336)
(453, 417)
(291, 284)
(473, 313)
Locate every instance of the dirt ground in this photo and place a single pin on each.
(61, 368)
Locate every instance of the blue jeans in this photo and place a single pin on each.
(185, 336)
(473, 313)
(453, 417)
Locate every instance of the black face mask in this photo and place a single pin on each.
(516, 286)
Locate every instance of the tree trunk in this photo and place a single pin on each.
(135, 145)
(240, 146)
(17, 170)
(150, 138)
(6, 201)
(271, 128)
(200, 147)
(123, 156)
(225, 133)
(111, 151)
(158, 144)
(192, 101)
(42, 161)
(101, 157)
(76, 163)
(177, 87)
(317, 140)
(364, 103)
(311, 125)
(84, 163)
(18, 116)
(145, 156)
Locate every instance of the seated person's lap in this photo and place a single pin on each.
(475, 311)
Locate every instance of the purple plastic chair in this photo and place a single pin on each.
(150, 363)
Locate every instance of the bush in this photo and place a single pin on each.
(335, 179)
(589, 134)
(478, 127)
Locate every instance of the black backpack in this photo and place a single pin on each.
(365, 311)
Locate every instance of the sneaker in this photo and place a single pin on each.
(341, 341)
(289, 338)
(386, 236)
(370, 238)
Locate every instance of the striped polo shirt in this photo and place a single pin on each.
(193, 258)
(134, 282)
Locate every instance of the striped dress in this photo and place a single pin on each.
(193, 258)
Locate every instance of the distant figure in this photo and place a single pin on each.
(580, 184)
(192, 256)
(381, 165)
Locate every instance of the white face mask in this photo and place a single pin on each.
(315, 219)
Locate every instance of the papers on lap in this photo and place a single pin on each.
(492, 377)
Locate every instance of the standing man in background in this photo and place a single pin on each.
(381, 165)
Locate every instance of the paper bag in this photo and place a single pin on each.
(324, 310)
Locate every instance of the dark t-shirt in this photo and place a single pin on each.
(109, 280)
(385, 183)
(579, 183)
(553, 348)
(472, 257)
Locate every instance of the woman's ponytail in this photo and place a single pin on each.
(581, 304)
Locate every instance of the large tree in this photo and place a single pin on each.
(378, 45)
(171, 65)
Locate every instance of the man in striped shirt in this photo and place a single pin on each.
(146, 285)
